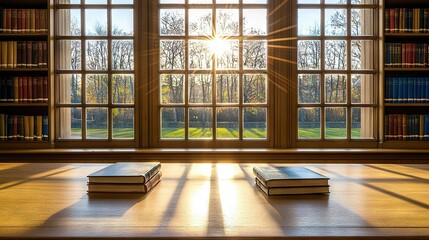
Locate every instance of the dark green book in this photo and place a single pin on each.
(273, 176)
(126, 172)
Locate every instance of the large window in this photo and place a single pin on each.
(336, 77)
(95, 93)
(213, 70)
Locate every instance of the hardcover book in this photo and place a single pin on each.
(131, 172)
(128, 188)
(292, 190)
(289, 177)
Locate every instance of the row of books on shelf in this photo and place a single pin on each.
(125, 177)
(409, 20)
(406, 127)
(24, 89)
(24, 54)
(406, 90)
(406, 55)
(23, 128)
(23, 20)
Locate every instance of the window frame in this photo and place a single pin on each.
(348, 142)
(110, 141)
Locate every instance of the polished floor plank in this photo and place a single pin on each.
(214, 200)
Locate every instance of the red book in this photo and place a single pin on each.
(400, 136)
(37, 20)
(24, 89)
(21, 23)
(29, 50)
(45, 54)
(392, 20)
(34, 92)
(20, 92)
(9, 20)
(45, 89)
(29, 89)
(40, 89)
(27, 20)
(404, 127)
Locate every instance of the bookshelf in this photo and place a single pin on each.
(406, 74)
(24, 74)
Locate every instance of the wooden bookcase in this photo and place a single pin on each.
(402, 66)
(35, 107)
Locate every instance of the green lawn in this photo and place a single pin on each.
(331, 133)
(251, 133)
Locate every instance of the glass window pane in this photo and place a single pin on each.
(172, 22)
(172, 54)
(70, 88)
(70, 123)
(123, 88)
(95, 1)
(97, 123)
(69, 22)
(122, 54)
(308, 88)
(254, 22)
(308, 22)
(122, 22)
(255, 1)
(172, 123)
(254, 88)
(122, 1)
(226, 54)
(362, 54)
(96, 88)
(227, 123)
(123, 123)
(172, 88)
(308, 1)
(226, 1)
(200, 22)
(255, 54)
(255, 123)
(336, 54)
(335, 88)
(200, 88)
(69, 54)
(69, 1)
(362, 23)
(309, 123)
(309, 52)
(335, 1)
(95, 22)
(227, 23)
(362, 123)
(336, 22)
(336, 123)
(96, 55)
(171, 1)
(200, 123)
(199, 55)
(227, 88)
(362, 88)
(200, 1)
(362, 1)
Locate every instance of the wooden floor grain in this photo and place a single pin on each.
(49, 200)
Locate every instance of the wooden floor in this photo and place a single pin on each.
(46, 200)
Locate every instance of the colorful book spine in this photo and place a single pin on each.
(404, 127)
(406, 20)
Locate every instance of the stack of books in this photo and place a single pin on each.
(125, 177)
(290, 180)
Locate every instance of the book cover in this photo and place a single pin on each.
(274, 176)
(2, 127)
(129, 188)
(272, 191)
(126, 172)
